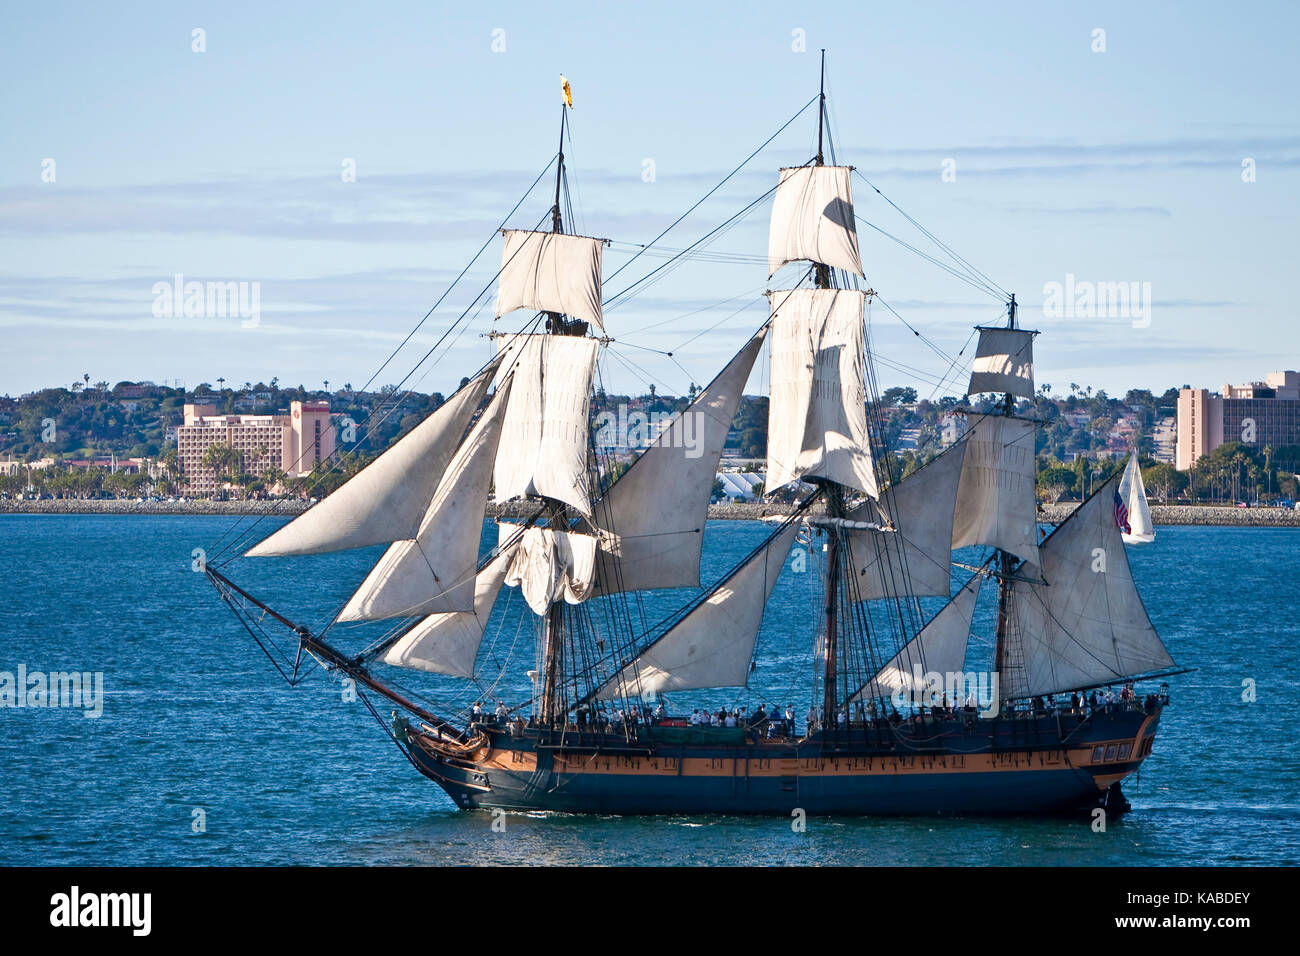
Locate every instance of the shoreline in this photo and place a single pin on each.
(1203, 515)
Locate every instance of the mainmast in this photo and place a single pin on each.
(834, 491)
(1006, 657)
(553, 622)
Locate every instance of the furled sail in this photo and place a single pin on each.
(712, 645)
(434, 571)
(448, 643)
(544, 435)
(940, 648)
(653, 515)
(552, 566)
(385, 501)
(551, 272)
(915, 559)
(996, 505)
(817, 420)
(812, 219)
(1134, 495)
(1004, 362)
(1087, 625)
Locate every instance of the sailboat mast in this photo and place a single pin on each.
(823, 272)
(553, 622)
(834, 492)
(1005, 558)
(557, 225)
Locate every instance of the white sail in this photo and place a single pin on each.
(940, 648)
(812, 219)
(434, 571)
(996, 505)
(1134, 495)
(712, 645)
(544, 435)
(1004, 363)
(817, 420)
(1087, 625)
(551, 272)
(916, 558)
(551, 566)
(386, 500)
(448, 643)
(654, 513)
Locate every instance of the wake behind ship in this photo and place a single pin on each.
(897, 721)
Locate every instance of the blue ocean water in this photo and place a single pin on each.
(197, 724)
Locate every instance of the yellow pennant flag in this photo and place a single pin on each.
(566, 91)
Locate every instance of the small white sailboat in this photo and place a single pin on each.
(1134, 498)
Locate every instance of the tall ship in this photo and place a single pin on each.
(895, 718)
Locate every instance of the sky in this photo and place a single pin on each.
(1164, 150)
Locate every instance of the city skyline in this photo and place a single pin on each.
(1123, 165)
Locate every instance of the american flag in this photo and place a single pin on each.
(1121, 514)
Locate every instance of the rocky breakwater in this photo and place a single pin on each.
(1215, 515)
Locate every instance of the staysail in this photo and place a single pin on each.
(1087, 625)
(386, 500)
(551, 272)
(939, 648)
(996, 505)
(448, 643)
(812, 219)
(434, 571)
(652, 518)
(916, 558)
(1134, 495)
(544, 435)
(712, 645)
(817, 421)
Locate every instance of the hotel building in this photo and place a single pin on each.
(1261, 413)
(293, 443)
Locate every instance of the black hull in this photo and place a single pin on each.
(1050, 764)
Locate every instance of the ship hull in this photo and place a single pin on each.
(1027, 766)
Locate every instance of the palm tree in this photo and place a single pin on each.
(1268, 475)
(226, 462)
